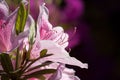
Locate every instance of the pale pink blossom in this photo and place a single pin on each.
(52, 39)
(55, 41)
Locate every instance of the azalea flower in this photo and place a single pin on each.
(54, 43)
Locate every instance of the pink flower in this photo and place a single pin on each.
(8, 39)
(54, 40)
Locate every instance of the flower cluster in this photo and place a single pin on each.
(33, 51)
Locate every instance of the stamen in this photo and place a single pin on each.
(69, 50)
(74, 32)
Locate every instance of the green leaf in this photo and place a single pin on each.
(43, 53)
(32, 30)
(6, 62)
(40, 73)
(21, 19)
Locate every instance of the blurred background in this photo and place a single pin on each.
(96, 39)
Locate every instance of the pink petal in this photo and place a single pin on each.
(60, 54)
(58, 74)
(43, 18)
(5, 34)
(64, 73)
(56, 33)
(35, 52)
(36, 48)
(43, 24)
(69, 74)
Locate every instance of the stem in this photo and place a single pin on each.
(17, 59)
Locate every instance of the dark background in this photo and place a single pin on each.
(100, 41)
